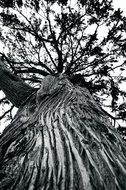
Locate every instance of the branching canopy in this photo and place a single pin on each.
(84, 39)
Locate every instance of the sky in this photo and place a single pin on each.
(120, 4)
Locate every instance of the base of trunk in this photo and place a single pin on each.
(62, 140)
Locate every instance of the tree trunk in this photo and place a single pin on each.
(61, 140)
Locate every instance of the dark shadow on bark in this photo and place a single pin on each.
(61, 140)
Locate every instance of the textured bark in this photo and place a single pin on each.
(61, 140)
(15, 89)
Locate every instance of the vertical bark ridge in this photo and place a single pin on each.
(63, 142)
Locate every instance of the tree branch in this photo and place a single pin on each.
(32, 70)
(6, 112)
(49, 55)
(14, 88)
(1, 100)
(55, 43)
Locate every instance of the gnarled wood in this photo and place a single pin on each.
(15, 89)
(61, 140)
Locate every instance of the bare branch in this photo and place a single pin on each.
(50, 55)
(32, 70)
(55, 42)
(6, 112)
(90, 64)
(14, 88)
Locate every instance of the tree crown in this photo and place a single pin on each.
(85, 41)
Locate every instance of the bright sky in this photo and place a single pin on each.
(120, 4)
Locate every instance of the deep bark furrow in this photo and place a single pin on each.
(64, 143)
(60, 157)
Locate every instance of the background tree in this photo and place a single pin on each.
(61, 138)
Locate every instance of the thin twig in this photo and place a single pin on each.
(6, 112)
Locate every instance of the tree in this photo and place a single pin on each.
(61, 138)
(48, 42)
